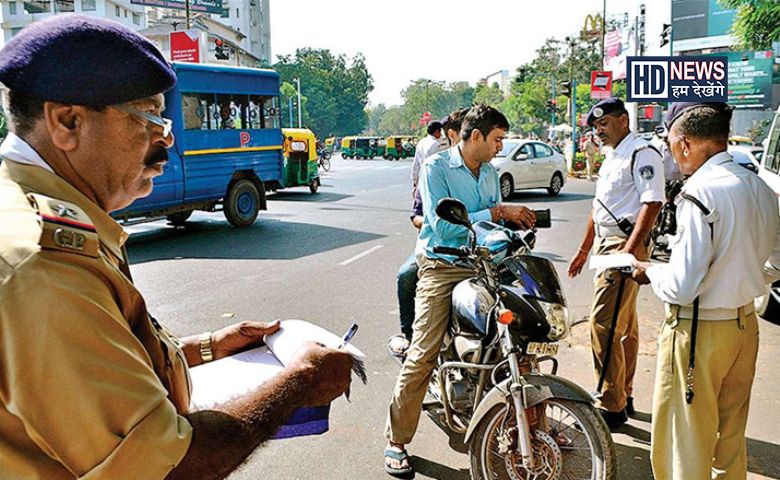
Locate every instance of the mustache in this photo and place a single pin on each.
(156, 155)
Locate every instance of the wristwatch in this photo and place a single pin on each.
(206, 354)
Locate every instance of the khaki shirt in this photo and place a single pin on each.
(90, 386)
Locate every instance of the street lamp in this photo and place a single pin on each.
(298, 84)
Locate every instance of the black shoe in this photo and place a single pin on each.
(630, 411)
(614, 419)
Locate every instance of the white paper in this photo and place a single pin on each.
(230, 377)
(617, 260)
(292, 334)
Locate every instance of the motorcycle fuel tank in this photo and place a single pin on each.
(471, 304)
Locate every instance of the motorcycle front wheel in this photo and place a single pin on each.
(573, 442)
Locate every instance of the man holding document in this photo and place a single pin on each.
(90, 384)
(727, 248)
(629, 195)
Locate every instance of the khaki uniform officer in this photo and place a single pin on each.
(91, 386)
(726, 248)
(630, 190)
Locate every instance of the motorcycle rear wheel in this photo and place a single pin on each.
(576, 445)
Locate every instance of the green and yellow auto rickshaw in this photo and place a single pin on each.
(348, 147)
(399, 146)
(380, 147)
(332, 143)
(365, 147)
(300, 159)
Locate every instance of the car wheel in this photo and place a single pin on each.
(556, 183)
(507, 186)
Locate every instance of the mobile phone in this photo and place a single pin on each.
(543, 219)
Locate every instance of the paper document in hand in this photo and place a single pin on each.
(228, 378)
(617, 260)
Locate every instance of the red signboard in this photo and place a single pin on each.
(600, 84)
(185, 46)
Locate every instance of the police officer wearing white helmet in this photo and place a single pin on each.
(726, 249)
(629, 195)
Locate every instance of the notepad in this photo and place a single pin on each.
(231, 377)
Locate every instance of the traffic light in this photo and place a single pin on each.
(220, 51)
(566, 89)
(551, 105)
(666, 34)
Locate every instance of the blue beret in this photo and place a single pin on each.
(676, 109)
(605, 107)
(83, 60)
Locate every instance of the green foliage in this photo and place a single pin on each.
(757, 23)
(488, 95)
(3, 125)
(336, 90)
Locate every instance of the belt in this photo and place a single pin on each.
(686, 312)
(608, 231)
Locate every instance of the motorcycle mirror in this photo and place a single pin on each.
(453, 211)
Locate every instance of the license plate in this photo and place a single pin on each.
(537, 348)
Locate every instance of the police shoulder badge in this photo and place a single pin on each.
(647, 172)
(65, 226)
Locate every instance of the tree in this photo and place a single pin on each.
(757, 23)
(488, 95)
(336, 89)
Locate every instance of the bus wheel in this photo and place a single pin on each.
(179, 219)
(242, 203)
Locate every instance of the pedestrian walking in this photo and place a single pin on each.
(727, 248)
(425, 148)
(591, 149)
(629, 195)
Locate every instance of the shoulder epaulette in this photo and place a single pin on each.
(639, 149)
(65, 226)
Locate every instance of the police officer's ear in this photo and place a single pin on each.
(64, 122)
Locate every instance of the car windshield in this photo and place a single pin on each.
(508, 147)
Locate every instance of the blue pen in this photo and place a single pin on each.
(348, 336)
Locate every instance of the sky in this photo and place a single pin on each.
(459, 40)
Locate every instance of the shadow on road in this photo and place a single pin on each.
(542, 196)
(762, 458)
(437, 470)
(306, 196)
(633, 462)
(266, 239)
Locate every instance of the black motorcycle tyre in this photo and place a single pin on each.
(605, 461)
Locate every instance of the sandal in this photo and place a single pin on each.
(398, 345)
(400, 456)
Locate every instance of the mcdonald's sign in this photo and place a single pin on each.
(593, 25)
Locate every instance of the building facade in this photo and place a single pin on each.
(253, 19)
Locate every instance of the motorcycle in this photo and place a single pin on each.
(666, 224)
(518, 422)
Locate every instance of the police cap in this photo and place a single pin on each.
(605, 107)
(83, 60)
(676, 110)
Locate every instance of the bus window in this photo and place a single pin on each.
(230, 111)
(271, 113)
(194, 107)
(255, 113)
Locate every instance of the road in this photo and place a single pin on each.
(331, 258)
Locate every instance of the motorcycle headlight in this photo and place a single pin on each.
(558, 317)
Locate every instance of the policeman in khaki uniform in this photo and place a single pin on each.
(629, 195)
(90, 384)
(727, 248)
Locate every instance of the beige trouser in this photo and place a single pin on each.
(589, 161)
(705, 439)
(432, 315)
(619, 379)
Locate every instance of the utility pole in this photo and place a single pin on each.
(186, 13)
(603, 34)
(298, 83)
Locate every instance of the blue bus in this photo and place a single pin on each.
(228, 148)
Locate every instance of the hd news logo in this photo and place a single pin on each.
(677, 79)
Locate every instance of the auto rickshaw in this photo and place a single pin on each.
(348, 147)
(365, 147)
(399, 146)
(380, 146)
(332, 144)
(300, 159)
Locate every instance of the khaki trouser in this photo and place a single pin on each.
(590, 160)
(705, 439)
(432, 315)
(619, 379)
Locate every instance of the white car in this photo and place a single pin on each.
(524, 164)
(748, 156)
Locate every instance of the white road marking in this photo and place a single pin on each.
(360, 255)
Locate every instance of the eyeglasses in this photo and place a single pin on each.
(165, 123)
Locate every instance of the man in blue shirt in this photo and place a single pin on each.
(463, 172)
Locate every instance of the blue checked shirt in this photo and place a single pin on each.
(445, 175)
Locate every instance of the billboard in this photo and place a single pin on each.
(619, 43)
(750, 78)
(207, 6)
(700, 24)
(185, 46)
(600, 84)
